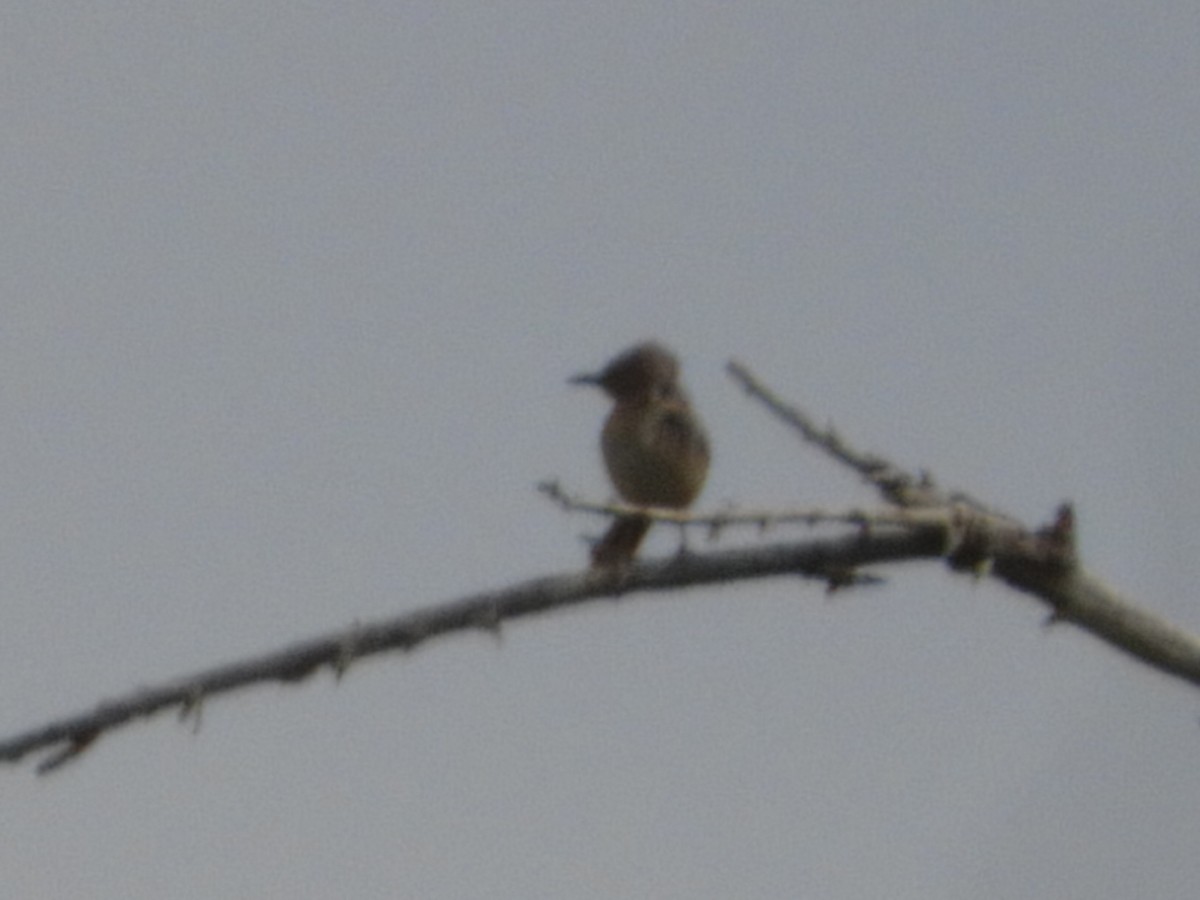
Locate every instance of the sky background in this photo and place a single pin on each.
(291, 292)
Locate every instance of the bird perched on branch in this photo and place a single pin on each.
(654, 446)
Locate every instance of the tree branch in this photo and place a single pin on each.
(820, 559)
(922, 522)
(762, 519)
(1042, 563)
(897, 486)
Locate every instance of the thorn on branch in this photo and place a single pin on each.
(1053, 618)
(488, 619)
(347, 651)
(841, 579)
(1058, 538)
(193, 708)
(74, 748)
(552, 489)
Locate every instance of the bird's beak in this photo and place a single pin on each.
(593, 378)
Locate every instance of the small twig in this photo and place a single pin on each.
(79, 743)
(761, 519)
(826, 560)
(905, 489)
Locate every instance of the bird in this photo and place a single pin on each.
(654, 445)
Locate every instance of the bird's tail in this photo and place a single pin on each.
(620, 542)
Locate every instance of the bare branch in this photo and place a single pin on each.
(1042, 564)
(826, 560)
(927, 524)
(761, 519)
(903, 488)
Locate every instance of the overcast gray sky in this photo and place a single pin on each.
(291, 292)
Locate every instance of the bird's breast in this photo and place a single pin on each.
(656, 454)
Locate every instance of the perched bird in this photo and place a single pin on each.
(654, 445)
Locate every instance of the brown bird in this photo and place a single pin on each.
(654, 445)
